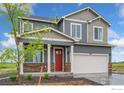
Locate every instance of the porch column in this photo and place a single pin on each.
(21, 69)
(22, 61)
(48, 57)
(71, 57)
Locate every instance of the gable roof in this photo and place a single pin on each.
(56, 21)
(80, 11)
(99, 16)
(50, 28)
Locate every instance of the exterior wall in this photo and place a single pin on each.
(60, 26)
(100, 23)
(84, 29)
(96, 50)
(34, 67)
(37, 25)
(92, 49)
(85, 15)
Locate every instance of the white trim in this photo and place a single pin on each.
(66, 54)
(62, 57)
(85, 9)
(80, 11)
(41, 20)
(63, 25)
(23, 30)
(76, 33)
(75, 20)
(94, 33)
(71, 57)
(51, 73)
(42, 56)
(48, 57)
(100, 18)
(87, 33)
(81, 53)
(55, 39)
(93, 44)
(21, 69)
(52, 30)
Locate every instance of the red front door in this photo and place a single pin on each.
(58, 59)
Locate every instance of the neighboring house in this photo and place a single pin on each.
(77, 44)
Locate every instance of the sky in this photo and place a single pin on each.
(114, 13)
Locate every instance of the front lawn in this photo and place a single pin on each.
(7, 68)
(118, 66)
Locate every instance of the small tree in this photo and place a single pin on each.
(12, 12)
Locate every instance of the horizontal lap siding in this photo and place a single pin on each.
(92, 49)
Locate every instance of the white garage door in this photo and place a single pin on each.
(84, 63)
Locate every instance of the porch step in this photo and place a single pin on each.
(57, 74)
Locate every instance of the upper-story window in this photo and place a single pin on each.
(76, 30)
(27, 26)
(98, 33)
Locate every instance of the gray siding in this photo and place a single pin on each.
(85, 15)
(60, 26)
(38, 24)
(84, 30)
(92, 49)
(102, 24)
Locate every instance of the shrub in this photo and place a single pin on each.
(28, 77)
(46, 76)
(12, 78)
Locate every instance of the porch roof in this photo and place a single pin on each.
(51, 37)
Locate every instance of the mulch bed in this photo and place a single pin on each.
(51, 81)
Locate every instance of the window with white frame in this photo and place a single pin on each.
(38, 58)
(27, 26)
(98, 33)
(76, 30)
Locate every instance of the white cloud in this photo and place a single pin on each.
(118, 42)
(121, 9)
(118, 55)
(9, 43)
(32, 8)
(116, 39)
(113, 34)
(79, 4)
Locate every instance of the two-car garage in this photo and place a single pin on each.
(90, 63)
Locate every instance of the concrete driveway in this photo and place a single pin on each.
(116, 79)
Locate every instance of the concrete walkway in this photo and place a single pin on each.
(116, 79)
(4, 78)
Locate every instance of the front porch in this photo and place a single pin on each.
(58, 56)
(55, 60)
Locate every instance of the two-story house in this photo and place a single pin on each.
(77, 44)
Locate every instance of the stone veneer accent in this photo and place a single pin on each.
(35, 67)
(110, 68)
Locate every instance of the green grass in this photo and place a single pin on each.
(118, 66)
(6, 68)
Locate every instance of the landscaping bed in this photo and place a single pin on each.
(50, 81)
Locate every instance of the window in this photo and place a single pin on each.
(76, 30)
(98, 33)
(36, 59)
(27, 26)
